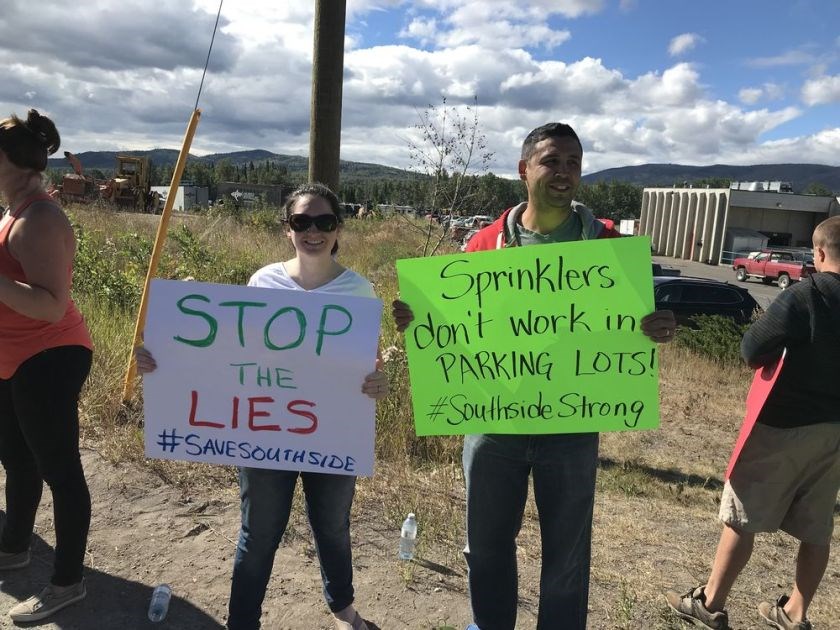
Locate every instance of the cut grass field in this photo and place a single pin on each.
(655, 521)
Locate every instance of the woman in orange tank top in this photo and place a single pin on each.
(45, 357)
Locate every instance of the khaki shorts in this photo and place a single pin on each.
(786, 479)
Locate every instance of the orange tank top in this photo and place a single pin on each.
(22, 337)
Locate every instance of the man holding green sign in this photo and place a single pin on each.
(516, 403)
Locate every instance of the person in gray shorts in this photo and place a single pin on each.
(788, 474)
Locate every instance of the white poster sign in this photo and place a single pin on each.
(264, 378)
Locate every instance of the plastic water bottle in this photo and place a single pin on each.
(159, 605)
(408, 537)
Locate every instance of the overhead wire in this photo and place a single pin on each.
(207, 62)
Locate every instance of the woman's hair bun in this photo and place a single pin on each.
(44, 129)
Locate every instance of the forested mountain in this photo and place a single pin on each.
(293, 164)
(801, 176)
(613, 193)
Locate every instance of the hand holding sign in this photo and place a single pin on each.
(403, 316)
(261, 377)
(533, 340)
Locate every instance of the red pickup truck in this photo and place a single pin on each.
(774, 264)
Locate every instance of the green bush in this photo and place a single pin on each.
(715, 337)
(198, 260)
(96, 275)
(264, 218)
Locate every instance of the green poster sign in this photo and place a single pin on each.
(539, 339)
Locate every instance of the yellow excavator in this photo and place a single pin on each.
(130, 188)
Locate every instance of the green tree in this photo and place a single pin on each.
(225, 171)
(712, 182)
(611, 200)
(817, 188)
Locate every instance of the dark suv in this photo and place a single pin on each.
(699, 296)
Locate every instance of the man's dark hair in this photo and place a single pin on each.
(549, 130)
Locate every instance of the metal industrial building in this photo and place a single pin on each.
(187, 197)
(710, 224)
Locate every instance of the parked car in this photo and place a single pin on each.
(480, 220)
(775, 265)
(688, 296)
(659, 270)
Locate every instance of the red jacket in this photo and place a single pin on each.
(494, 235)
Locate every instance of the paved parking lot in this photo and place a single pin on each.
(762, 293)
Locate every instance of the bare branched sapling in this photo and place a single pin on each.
(448, 147)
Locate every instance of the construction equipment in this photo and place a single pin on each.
(76, 187)
(130, 188)
(131, 185)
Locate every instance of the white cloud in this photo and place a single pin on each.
(683, 43)
(678, 86)
(818, 148)
(767, 92)
(507, 9)
(789, 58)
(503, 34)
(773, 91)
(821, 90)
(570, 89)
(138, 89)
(108, 37)
(750, 96)
(423, 30)
(496, 25)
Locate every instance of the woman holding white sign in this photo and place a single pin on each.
(313, 215)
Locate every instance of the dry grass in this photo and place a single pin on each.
(657, 490)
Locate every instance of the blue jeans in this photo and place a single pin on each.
(496, 469)
(266, 503)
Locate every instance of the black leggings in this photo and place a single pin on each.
(39, 441)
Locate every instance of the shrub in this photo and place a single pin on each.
(96, 275)
(198, 260)
(715, 337)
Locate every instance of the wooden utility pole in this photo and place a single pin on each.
(327, 84)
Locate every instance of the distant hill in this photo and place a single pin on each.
(647, 175)
(104, 161)
(799, 175)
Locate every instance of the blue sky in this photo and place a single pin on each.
(679, 81)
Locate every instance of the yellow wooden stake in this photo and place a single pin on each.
(160, 239)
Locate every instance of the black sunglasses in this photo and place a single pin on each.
(323, 222)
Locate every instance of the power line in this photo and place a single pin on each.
(207, 62)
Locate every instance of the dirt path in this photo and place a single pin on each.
(145, 532)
